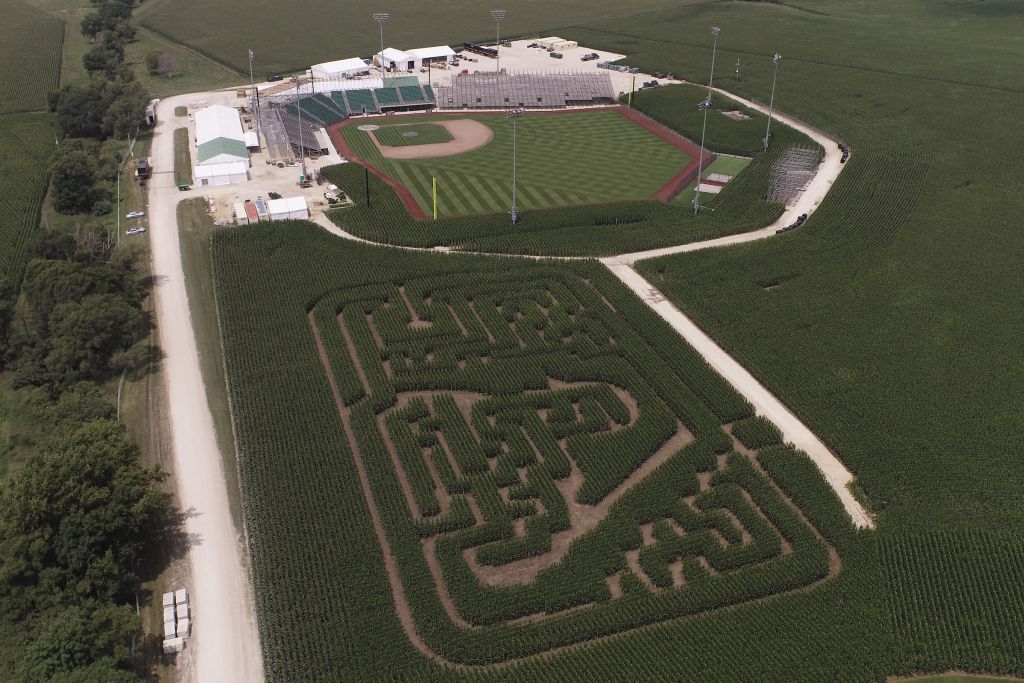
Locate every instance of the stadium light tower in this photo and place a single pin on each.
(380, 18)
(302, 143)
(497, 15)
(514, 114)
(705, 105)
(776, 58)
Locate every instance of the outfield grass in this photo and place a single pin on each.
(402, 135)
(566, 159)
(30, 53)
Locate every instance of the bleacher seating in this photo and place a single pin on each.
(361, 101)
(411, 94)
(386, 96)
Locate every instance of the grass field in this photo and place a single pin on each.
(182, 157)
(30, 54)
(559, 164)
(412, 134)
(26, 145)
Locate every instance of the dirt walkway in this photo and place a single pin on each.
(467, 135)
(224, 638)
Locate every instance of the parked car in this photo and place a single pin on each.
(590, 56)
(136, 230)
(135, 214)
(274, 195)
(556, 55)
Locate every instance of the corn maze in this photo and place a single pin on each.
(541, 476)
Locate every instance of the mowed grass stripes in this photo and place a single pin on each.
(412, 134)
(584, 157)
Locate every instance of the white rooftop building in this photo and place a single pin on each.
(288, 209)
(341, 68)
(227, 173)
(219, 136)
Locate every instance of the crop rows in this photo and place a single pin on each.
(26, 142)
(31, 42)
(529, 452)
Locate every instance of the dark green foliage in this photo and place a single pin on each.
(73, 177)
(756, 432)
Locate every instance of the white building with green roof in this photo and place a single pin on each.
(219, 136)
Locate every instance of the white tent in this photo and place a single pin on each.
(422, 55)
(341, 68)
(252, 139)
(396, 60)
(288, 209)
(222, 174)
(219, 137)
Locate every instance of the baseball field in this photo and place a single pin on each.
(562, 159)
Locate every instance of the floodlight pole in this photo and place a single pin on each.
(380, 18)
(705, 105)
(514, 114)
(497, 15)
(302, 144)
(255, 95)
(776, 58)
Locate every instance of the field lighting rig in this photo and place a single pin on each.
(776, 58)
(514, 114)
(705, 105)
(497, 15)
(380, 18)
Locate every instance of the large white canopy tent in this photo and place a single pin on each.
(227, 173)
(219, 136)
(341, 68)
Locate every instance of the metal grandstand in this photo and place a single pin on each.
(791, 173)
(280, 113)
(554, 90)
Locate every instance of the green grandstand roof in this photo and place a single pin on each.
(218, 146)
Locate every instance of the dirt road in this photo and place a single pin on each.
(224, 639)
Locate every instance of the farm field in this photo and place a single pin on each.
(30, 53)
(351, 32)
(26, 145)
(470, 416)
(559, 163)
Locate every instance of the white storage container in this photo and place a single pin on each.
(184, 626)
(170, 630)
(168, 599)
(180, 596)
(182, 611)
(169, 613)
(172, 645)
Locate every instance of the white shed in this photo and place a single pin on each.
(396, 60)
(288, 209)
(341, 68)
(252, 140)
(438, 53)
(219, 136)
(222, 174)
(557, 44)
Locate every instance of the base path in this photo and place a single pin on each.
(224, 636)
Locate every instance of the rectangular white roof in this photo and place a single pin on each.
(286, 205)
(217, 121)
(227, 168)
(432, 52)
(295, 203)
(252, 138)
(393, 55)
(342, 66)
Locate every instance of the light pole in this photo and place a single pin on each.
(776, 58)
(705, 105)
(255, 96)
(380, 18)
(302, 144)
(497, 15)
(514, 114)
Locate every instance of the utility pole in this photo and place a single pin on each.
(514, 114)
(776, 58)
(705, 105)
(497, 15)
(380, 18)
